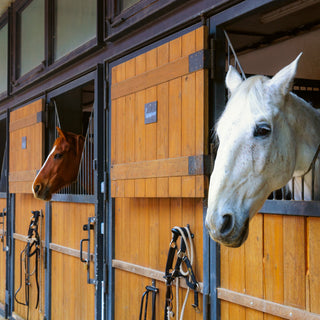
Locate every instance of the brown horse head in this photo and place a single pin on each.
(61, 166)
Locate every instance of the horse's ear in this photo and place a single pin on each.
(283, 80)
(80, 142)
(233, 79)
(61, 133)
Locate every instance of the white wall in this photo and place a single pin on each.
(270, 59)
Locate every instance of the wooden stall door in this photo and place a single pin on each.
(159, 125)
(275, 274)
(26, 152)
(159, 132)
(3, 206)
(24, 204)
(71, 296)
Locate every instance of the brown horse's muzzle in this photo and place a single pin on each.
(41, 192)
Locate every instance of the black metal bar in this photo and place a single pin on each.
(99, 156)
(218, 98)
(10, 256)
(292, 207)
(47, 260)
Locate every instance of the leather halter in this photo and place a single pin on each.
(170, 276)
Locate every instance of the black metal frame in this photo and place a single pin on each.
(10, 255)
(98, 199)
(118, 21)
(91, 76)
(6, 152)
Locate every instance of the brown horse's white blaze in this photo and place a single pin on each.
(61, 166)
(263, 143)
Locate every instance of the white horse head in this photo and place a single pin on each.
(263, 143)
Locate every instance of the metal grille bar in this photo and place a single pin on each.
(84, 185)
(232, 55)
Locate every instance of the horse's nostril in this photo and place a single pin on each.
(227, 224)
(36, 188)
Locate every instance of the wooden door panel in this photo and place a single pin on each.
(26, 152)
(163, 76)
(72, 297)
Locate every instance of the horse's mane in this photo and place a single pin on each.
(251, 93)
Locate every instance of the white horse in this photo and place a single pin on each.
(267, 135)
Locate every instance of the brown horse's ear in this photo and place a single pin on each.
(80, 142)
(61, 133)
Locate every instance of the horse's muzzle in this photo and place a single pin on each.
(228, 233)
(41, 193)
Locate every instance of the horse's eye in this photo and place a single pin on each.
(262, 130)
(58, 156)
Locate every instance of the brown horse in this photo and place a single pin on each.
(61, 166)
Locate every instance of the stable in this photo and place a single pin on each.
(143, 82)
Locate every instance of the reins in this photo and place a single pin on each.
(185, 254)
(31, 249)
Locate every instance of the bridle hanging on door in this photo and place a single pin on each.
(32, 249)
(185, 254)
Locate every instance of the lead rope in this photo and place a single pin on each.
(188, 255)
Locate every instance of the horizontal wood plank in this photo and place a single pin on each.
(172, 167)
(151, 78)
(55, 247)
(69, 251)
(28, 175)
(24, 238)
(21, 186)
(146, 272)
(150, 169)
(275, 309)
(28, 121)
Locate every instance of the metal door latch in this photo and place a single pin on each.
(87, 227)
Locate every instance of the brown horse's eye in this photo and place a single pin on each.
(58, 156)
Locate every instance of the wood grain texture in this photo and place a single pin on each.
(30, 159)
(72, 296)
(162, 75)
(145, 246)
(24, 204)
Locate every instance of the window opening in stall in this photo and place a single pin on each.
(32, 37)
(72, 111)
(75, 24)
(125, 4)
(4, 58)
(309, 90)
